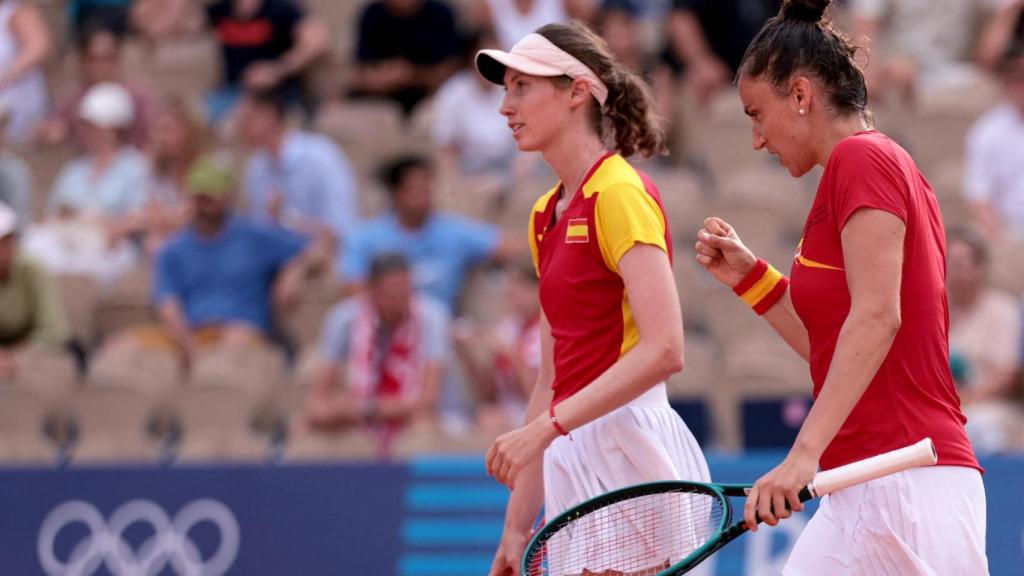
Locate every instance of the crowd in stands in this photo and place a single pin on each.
(296, 228)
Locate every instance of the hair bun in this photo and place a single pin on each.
(804, 10)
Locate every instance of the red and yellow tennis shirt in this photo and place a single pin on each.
(577, 258)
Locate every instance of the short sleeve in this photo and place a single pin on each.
(355, 256)
(627, 215)
(279, 245)
(539, 208)
(167, 281)
(446, 111)
(865, 176)
(336, 332)
(436, 340)
(979, 171)
(477, 240)
(49, 323)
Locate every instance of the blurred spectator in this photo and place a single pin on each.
(178, 138)
(266, 44)
(617, 21)
(513, 19)
(707, 40)
(918, 45)
(984, 342)
(300, 180)
(471, 137)
(30, 311)
(405, 51)
(505, 375)
(218, 282)
(994, 165)
(25, 44)
(95, 201)
(441, 247)
(388, 349)
(15, 181)
(99, 62)
(1004, 27)
(113, 14)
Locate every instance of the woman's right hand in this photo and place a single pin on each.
(510, 554)
(721, 252)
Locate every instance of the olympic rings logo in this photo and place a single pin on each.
(169, 543)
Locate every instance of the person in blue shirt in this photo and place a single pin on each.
(299, 180)
(218, 283)
(441, 247)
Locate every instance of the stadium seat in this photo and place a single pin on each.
(113, 425)
(79, 295)
(23, 415)
(216, 422)
(304, 445)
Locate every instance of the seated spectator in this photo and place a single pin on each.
(299, 180)
(502, 360)
(30, 311)
(994, 164)
(441, 247)
(617, 21)
(25, 44)
(384, 354)
(473, 141)
(15, 180)
(96, 198)
(918, 46)
(707, 40)
(513, 19)
(177, 140)
(113, 14)
(218, 282)
(984, 342)
(1004, 27)
(266, 44)
(99, 61)
(406, 49)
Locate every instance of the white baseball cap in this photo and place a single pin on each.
(107, 105)
(8, 220)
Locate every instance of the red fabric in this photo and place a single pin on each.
(772, 297)
(581, 297)
(912, 395)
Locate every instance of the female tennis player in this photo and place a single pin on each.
(611, 329)
(866, 307)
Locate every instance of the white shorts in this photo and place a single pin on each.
(643, 441)
(921, 522)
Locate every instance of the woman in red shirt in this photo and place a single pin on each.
(866, 308)
(610, 324)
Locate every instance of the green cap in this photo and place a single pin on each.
(209, 177)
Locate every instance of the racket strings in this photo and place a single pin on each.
(640, 536)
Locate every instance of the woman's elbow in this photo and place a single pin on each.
(670, 357)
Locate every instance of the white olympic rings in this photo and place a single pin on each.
(170, 542)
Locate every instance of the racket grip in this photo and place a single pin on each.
(804, 495)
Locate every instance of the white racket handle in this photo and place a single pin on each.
(920, 454)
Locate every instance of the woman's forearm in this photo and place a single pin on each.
(783, 318)
(528, 495)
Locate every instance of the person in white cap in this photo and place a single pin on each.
(110, 179)
(30, 310)
(611, 329)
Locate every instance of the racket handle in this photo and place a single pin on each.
(804, 495)
(919, 454)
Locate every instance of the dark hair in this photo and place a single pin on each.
(629, 110)
(1014, 51)
(90, 30)
(974, 240)
(272, 99)
(801, 39)
(387, 263)
(523, 268)
(395, 171)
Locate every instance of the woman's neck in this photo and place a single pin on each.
(834, 131)
(572, 158)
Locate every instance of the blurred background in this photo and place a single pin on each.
(266, 296)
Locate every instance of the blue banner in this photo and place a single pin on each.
(430, 517)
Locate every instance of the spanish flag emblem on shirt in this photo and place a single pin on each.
(577, 232)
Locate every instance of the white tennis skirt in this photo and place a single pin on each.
(921, 522)
(643, 441)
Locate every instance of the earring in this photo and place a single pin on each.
(801, 111)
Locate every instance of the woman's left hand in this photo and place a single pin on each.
(776, 495)
(514, 450)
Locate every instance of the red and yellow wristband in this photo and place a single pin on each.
(762, 287)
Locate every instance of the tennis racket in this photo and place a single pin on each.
(668, 528)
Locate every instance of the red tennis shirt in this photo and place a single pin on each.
(912, 395)
(577, 256)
